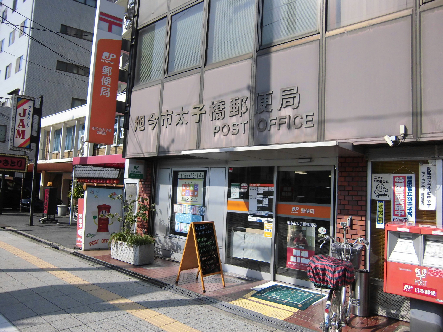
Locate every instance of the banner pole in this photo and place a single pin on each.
(34, 171)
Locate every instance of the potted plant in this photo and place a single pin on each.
(129, 245)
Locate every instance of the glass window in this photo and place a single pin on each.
(4, 15)
(81, 139)
(250, 206)
(345, 12)
(231, 29)
(69, 142)
(19, 64)
(14, 5)
(72, 68)
(75, 102)
(2, 42)
(119, 130)
(8, 71)
(185, 41)
(57, 140)
(74, 32)
(284, 19)
(11, 37)
(188, 199)
(151, 48)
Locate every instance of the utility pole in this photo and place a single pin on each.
(36, 140)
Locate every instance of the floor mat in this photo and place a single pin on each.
(288, 296)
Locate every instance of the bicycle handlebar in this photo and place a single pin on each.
(332, 240)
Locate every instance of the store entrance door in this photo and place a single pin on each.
(304, 206)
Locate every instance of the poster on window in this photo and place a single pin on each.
(381, 187)
(301, 245)
(190, 191)
(427, 189)
(380, 222)
(261, 198)
(403, 198)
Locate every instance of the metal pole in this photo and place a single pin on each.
(34, 173)
(2, 192)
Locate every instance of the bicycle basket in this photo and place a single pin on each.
(329, 272)
(347, 252)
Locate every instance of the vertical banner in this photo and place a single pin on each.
(21, 123)
(103, 80)
(428, 186)
(380, 222)
(403, 198)
(80, 228)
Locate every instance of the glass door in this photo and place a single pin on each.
(304, 208)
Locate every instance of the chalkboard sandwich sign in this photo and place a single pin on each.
(201, 251)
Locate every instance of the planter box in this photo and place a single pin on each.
(135, 255)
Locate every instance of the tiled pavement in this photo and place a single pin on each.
(237, 288)
(62, 235)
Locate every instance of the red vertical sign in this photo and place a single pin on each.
(104, 93)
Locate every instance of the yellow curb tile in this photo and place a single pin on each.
(178, 327)
(145, 314)
(161, 320)
(130, 307)
(263, 309)
(105, 295)
(247, 296)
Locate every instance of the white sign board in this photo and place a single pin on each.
(427, 189)
(381, 187)
(97, 226)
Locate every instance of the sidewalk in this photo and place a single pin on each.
(232, 298)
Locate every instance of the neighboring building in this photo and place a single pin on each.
(272, 116)
(46, 50)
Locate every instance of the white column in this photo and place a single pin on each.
(75, 148)
(51, 142)
(62, 141)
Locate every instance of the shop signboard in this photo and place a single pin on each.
(97, 225)
(21, 123)
(403, 198)
(134, 169)
(13, 163)
(428, 187)
(103, 82)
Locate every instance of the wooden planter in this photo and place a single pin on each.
(135, 255)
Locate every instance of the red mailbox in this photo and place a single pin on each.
(414, 261)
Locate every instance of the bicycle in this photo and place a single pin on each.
(336, 273)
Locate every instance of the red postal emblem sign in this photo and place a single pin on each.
(104, 93)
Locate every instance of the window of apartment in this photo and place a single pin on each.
(24, 27)
(285, 19)
(4, 15)
(2, 42)
(81, 138)
(11, 37)
(119, 130)
(345, 12)
(231, 29)
(8, 71)
(92, 3)
(19, 64)
(57, 140)
(185, 40)
(76, 102)
(151, 45)
(74, 32)
(14, 5)
(72, 68)
(69, 142)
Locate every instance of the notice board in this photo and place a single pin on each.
(201, 251)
